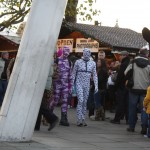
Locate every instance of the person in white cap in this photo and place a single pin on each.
(121, 90)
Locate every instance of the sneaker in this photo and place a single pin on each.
(92, 118)
(114, 121)
(130, 129)
(145, 136)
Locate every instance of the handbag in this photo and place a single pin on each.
(130, 81)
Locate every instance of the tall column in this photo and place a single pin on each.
(26, 86)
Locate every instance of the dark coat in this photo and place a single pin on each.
(121, 78)
(102, 79)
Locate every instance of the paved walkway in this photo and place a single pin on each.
(98, 135)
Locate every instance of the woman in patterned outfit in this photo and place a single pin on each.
(63, 85)
(82, 71)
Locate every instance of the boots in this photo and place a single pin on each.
(97, 116)
(64, 120)
(102, 113)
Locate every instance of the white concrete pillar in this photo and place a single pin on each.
(24, 93)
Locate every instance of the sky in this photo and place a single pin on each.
(132, 14)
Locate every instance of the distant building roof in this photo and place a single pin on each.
(11, 36)
(112, 36)
(7, 31)
(15, 39)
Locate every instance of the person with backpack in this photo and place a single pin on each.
(137, 93)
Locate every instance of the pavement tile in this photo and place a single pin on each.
(98, 135)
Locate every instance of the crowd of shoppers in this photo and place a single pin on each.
(92, 79)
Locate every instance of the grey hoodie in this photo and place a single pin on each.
(141, 74)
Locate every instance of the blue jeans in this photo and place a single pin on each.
(3, 87)
(97, 99)
(133, 101)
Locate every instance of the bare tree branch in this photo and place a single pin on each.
(8, 13)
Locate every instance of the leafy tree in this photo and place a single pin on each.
(14, 11)
(85, 10)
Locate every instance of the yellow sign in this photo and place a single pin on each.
(65, 42)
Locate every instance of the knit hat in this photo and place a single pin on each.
(59, 52)
(66, 51)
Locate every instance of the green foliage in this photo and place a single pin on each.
(86, 10)
(14, 11)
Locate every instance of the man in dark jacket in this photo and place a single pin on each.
(121, 91)
(141, 78)
(4, 61)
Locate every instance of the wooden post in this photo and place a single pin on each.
(26, 86)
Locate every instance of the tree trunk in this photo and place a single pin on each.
(71, 7)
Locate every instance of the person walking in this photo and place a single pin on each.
(82, 71)
(45, 111)
(63, 84)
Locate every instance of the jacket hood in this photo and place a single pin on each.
(141, 62)
(66, 51)
(86, 54)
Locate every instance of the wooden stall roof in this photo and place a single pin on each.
(9, 42)
(11, 39)
(113, 37)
